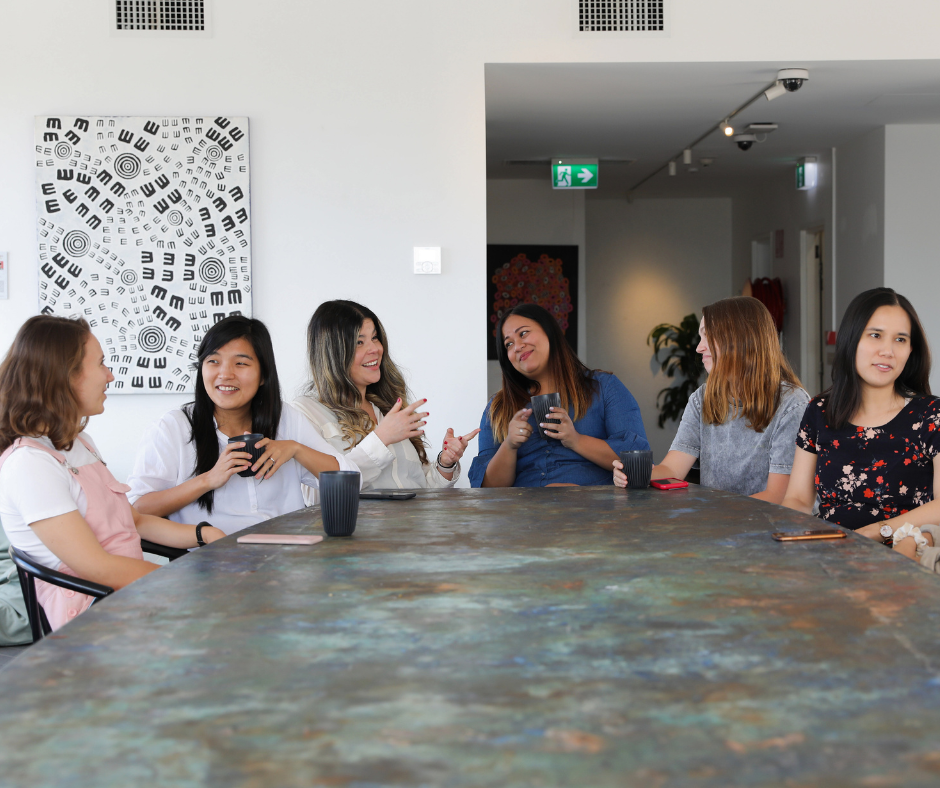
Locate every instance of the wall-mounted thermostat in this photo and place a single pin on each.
(4, 264)
(427, 259)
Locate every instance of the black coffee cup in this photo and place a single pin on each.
(638, 466)
(254, 451)
(540, 407)
(339, 501)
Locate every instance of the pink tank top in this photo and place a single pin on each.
(108, 515)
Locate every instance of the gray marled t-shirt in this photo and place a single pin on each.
(732, 456)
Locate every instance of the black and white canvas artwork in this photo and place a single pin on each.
(144, 229)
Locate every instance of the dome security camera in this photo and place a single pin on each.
(792, 79)
(744, 141)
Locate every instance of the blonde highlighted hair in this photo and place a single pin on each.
(332, 335)
(749, 365)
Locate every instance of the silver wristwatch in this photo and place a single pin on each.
(886, 533)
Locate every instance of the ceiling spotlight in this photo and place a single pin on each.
(792, 79)
(726, 128)
(687, 156)
(775, 91)
(745, 141)
(672, 167)
(707, 162)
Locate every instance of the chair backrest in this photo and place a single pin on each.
(28, 570)
(162, 550)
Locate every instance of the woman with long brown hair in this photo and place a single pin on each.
(598, 417)
(58, 501)
(742, 424)
(358, 401)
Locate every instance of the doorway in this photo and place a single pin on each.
(762, 264)
(812, 286)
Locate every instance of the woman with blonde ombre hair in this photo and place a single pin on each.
(579, 440)
(358, 401)
(741, 425)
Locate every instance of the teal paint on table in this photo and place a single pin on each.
(565, 636)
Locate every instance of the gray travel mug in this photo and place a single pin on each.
(540, 405)
(339, 501)
(250, 441)
(638, 466)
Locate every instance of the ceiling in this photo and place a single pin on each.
(650, 111)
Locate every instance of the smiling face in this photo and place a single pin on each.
(365, 369)
(703, 348)
(91, 380)
(232, 375)
(527, 346)
(884, 347)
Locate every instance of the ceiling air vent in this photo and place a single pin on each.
(621, 16)
(174, 17)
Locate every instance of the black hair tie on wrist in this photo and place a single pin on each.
(199, 540)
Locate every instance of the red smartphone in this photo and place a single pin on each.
(668, 484)
(805, 536)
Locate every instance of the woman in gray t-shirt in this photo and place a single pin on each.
(741, 425)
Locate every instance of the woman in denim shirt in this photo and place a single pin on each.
(598, 416)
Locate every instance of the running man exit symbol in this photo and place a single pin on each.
(574, 174)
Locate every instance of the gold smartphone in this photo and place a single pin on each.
(805, 536)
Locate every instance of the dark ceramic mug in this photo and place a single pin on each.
(249, 440)
(339, 501)
(540, 405)
(638, 466)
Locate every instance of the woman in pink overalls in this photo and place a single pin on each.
(59, 503)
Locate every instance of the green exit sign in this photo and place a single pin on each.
(574, 173)
(806, 174)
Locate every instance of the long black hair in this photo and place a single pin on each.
(844, 397)
(265, 407)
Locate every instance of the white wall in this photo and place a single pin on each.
(530, 211)
(367, 138)
(651, 262)
(860, 212)
(912, 208)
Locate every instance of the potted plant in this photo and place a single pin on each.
(674, 347)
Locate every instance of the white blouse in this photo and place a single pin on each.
(166, 458)
(382, 467)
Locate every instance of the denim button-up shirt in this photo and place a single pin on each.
(614, 417)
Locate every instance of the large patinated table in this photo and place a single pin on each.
(568, 636)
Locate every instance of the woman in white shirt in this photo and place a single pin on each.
(357, 400)
(185, 466)
(59, 503)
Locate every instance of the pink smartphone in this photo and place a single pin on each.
(279, 539)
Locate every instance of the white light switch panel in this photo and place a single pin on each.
(427, 259)
(4, 265)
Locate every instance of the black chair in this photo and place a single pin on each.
(29, 570)
(162, 550)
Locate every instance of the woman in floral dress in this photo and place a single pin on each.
(869, 447)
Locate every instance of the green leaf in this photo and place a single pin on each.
(674, 350)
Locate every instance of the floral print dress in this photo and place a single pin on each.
(866, 474)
